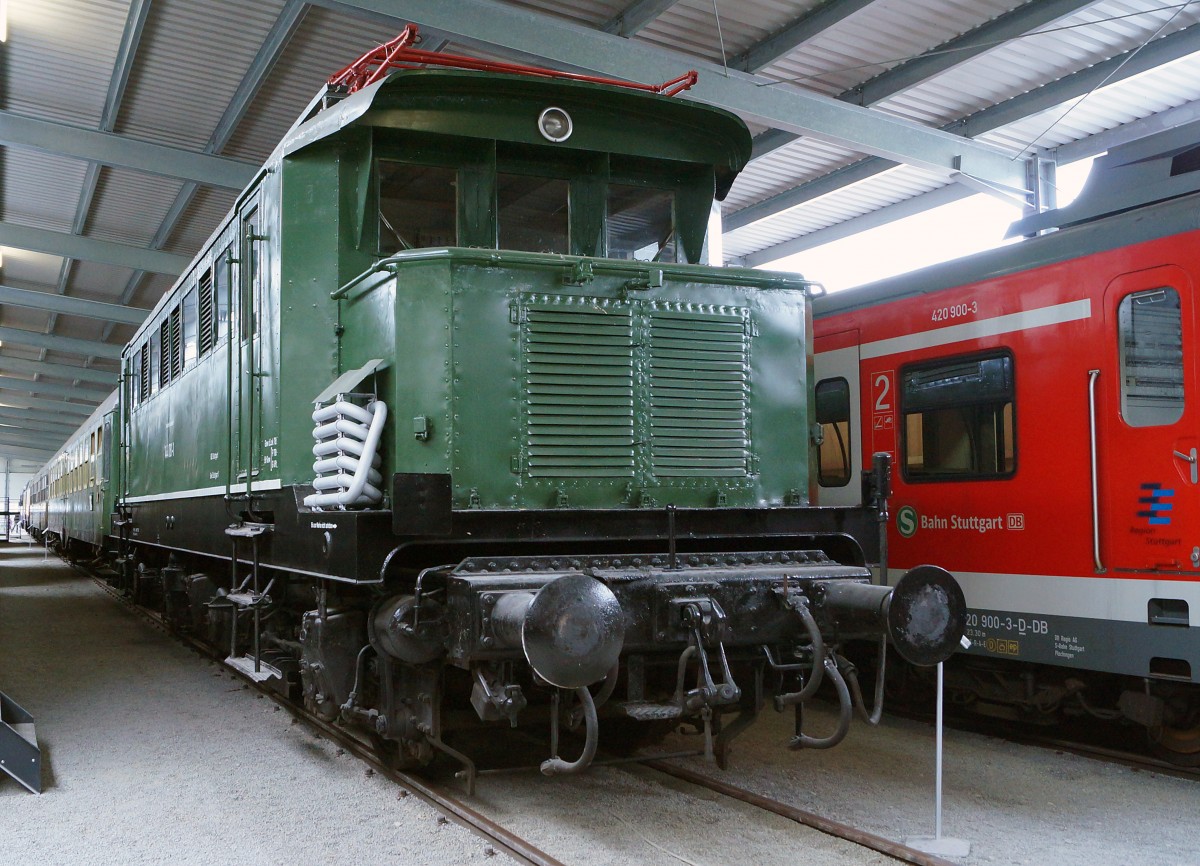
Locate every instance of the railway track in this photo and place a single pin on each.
(500, 838)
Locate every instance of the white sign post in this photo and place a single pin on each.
(937, 843)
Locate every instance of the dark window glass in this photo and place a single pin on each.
(417, 206)
(641, 223)
(1150, 331)
(958, 419)
(833, 414)
(533, 213)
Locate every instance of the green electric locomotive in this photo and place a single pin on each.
(449, 415)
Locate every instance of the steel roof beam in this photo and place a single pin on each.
(1019, 22)
(106, 148)
(90, 249)
(876, 218)
(74, 345)
(492, 23)
(72, 306)
(9, 416)
(1012, 25)
(1171, 119)
(91, 392)
(23, 401)
(34, 455)
(1134, 62)
(31, 441)
(804, 28)
(1179, 44)
(635, 16)
(63, 371)
(28, 428)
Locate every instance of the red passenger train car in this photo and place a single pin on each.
(1042, 405)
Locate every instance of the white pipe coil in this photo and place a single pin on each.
(353, 435)
(345, 463)
(343, 445)
(341, 408)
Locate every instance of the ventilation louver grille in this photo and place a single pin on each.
(579, 392)
(206, 312)
(636, 390)
(699, 393)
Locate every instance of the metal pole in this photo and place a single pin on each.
(937, 819)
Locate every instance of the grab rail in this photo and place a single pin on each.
(1093, 375)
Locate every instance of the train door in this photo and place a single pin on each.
(838, 411)
(1146, 454)
(246, 397)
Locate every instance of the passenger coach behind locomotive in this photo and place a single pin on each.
(528, 395)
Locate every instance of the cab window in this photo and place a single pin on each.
(417, 206)
(958, 419)
(641, 223)
(533, 213)
(833, 414)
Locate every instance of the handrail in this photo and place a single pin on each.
(614, 267)
(1093, 375)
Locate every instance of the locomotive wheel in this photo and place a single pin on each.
(1180, 746)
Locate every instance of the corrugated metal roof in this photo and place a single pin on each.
(190, 62)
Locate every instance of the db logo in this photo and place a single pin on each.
(906, 521)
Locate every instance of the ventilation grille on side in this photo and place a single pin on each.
(699, 394)
(579, 392)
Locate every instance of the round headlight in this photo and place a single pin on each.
(555, 124)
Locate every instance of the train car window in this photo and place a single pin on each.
(1150, 332)
(532, 213)
(191, 321)
(221, 279)
(833, 414)
(417, 206)
(641, 223)
(155, 346)
(208, 318)
(958, 419)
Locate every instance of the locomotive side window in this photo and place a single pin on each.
(1150, 331)
(532, 213)
(833, 414)
(191, 345)
(156, 359)
(135, 377)
(221, 278)
(958, 419)
(641, 223)
(417, 206)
